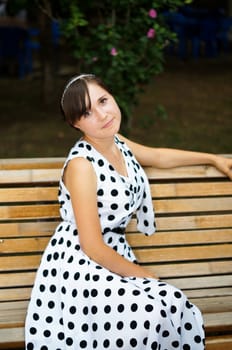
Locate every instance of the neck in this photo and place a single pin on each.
(102, 145)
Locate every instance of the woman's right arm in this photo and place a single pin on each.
(81, 182)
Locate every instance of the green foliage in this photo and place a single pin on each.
(122, 41)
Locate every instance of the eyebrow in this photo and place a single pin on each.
(100, 98)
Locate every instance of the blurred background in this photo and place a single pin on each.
(186, 103)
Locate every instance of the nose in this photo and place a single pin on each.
(101, 113)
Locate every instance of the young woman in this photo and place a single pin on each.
(89, 292)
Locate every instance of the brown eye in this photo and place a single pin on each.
(87, 114)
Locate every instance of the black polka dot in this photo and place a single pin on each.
(106, 343)
(107, 326)
(188, 326)
(85, 327)
(69, 341)
(163, 293)
(165, 334)
(61, 336)
(107, 309)
(175, 344)
(49, 319)
(154, 345)
(107, 292)
(197, 339)
(33, 330)
(133, 324)
(121, 291)
(47, 333)
(121, 308)
(119, 343)
(72, 310)
(120, 325)
(177, 295)
(133, 342)
(83, 344)
(173, 309)
(149, 307)
(134, 307)
(114, 193)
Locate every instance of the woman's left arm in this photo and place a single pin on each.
(170, 158)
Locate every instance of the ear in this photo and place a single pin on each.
(76, 125)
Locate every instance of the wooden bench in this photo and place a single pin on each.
(192, 248)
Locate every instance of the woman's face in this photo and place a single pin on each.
(104, 118)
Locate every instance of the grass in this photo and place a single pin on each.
(196, 96)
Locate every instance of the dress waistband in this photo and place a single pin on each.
(119, 230)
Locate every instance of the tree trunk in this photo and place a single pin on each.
(46, 57)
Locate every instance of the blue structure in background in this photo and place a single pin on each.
(199, 30)
(17, 44)
(13, 47)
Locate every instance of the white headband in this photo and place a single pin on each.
(71, 82)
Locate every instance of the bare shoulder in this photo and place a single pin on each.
(79, 170)
(79, 163)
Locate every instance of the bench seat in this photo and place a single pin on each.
(192, 248)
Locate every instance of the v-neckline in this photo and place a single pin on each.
(125, 177)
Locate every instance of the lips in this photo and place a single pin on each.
(108, 124)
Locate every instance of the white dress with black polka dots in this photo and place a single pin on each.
(77, 304)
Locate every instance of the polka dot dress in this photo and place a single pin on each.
(77, 304)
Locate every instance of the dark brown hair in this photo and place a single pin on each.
(75, 100)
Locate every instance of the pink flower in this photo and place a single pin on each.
(94, 59)
(151, 33)
(152, 13)
(113, 51)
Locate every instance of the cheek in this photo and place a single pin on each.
(117, 111)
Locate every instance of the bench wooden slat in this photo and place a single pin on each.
(193, 222)
(36, 194)
(195, 268)
(184, 253)
(29, 176)
(209, 292)
(219, 343)
(190, 172)
(22, 245)
(199, 171)
(7, 309)
(174, 190)
(17, 279)
(214, 304)
(146, 255)
(190, 205)
(15, 263)
(30, 262)
(214, 320)
(180, 238)
(29, 211)
(23, 293)
(45, 228)
(31, 163)
(13, 337)
(13, 294)
(201, 282)
(19, 229)
(161, 206)
(196, 189)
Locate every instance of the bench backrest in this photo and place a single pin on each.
(192, 247)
